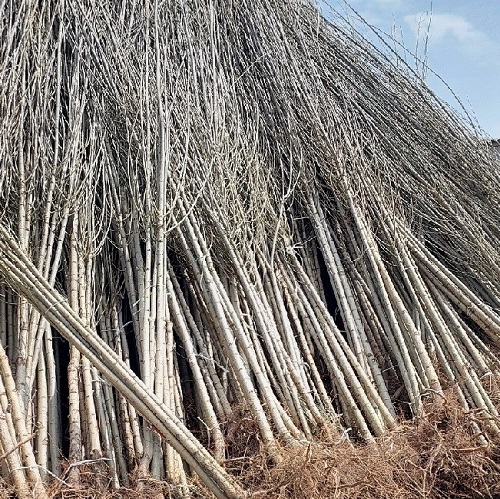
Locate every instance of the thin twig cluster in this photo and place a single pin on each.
(221, 205)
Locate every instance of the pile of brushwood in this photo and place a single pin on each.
(239, 247)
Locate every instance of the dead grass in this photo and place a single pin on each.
(435, 457)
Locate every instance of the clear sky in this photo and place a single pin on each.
(463, 46)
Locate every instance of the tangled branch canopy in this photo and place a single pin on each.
(229, 207)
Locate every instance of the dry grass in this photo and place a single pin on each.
(420, 461)
(437, 456)
(6, 490)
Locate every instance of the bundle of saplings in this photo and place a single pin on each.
(222, 211)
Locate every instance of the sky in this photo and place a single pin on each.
(463, 47)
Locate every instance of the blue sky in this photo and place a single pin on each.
(463, 47)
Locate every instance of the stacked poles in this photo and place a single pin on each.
(226, 206)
